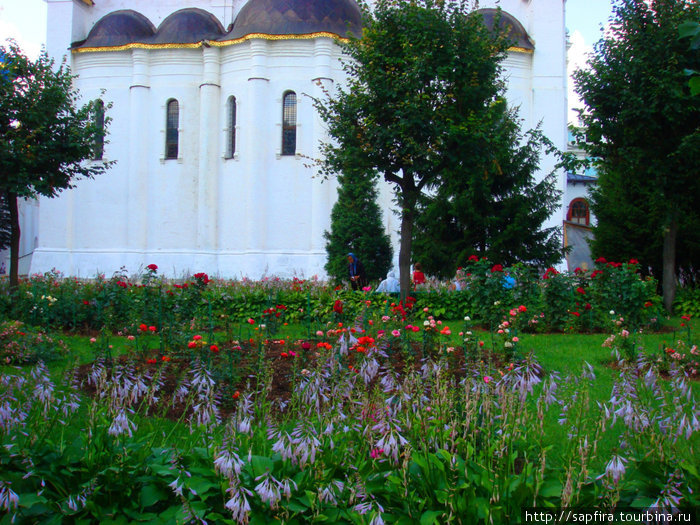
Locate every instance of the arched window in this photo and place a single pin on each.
(231, 136)
(172, 123)
(579, 212)
(99, 143)
(289, 123)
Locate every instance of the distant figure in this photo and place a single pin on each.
(358, 279)
(508, 281)
(390, 284)
(418, 275)
(3, 270)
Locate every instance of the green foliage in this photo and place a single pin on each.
(491, 204)
(642, 129)
(688, 302)
(356, 226)
(21, 344)
(414, 104)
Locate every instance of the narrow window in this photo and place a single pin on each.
(289, 123)
(579, 212)
(231, 138)
(99, 143)
(171, 129)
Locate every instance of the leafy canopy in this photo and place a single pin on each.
(45, 137)
(419, 83)
(643, 128)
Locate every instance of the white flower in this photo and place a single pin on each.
(467, 318)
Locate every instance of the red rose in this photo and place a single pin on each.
(152, 267)
(143, 327)
(497, 268)
(601, 260)
(338, 306)
(581, 291)
(214, 349)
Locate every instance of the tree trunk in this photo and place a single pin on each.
(669, 262)
(14, 239)
(407, 215)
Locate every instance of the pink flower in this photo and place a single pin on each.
(130, 337)
(488, 379)
(395, 333)
(515, 339)
(251, 321)
(376, 452)
(93, 340)
(197, 338)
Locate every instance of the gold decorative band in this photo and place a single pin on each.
(214, 43)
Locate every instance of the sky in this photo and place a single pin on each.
(25, 21)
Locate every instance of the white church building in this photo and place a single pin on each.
(213, 125)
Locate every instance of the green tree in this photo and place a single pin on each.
(419, 82)
(356, 226)
(643, 128)
(45, 138)
(492, 205)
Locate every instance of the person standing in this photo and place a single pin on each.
(358, 279)
(418, 275)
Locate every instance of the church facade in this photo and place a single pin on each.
(213, 128)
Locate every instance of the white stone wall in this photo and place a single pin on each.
(259, 212)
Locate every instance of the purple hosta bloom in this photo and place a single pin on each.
(391, 440)
(615, 469)
(269, 489)
(245, 405)
(244, 426)
(98, 375)
(182, 391)
(377, 519)
(588, 372)
(227, 462)
(11, 417)
(206, 412)
(121, 425)
(330, 493)
(176, 486)
(8, 498)
(77, 503)
(284, 445)
(526, 376)
(306, 443)
(44, 387)
(202, 381)
(388, 382)
(688, 426)
(238, 503)
(671, 496)
(549, 389)
(369, 370)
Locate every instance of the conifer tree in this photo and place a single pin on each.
(356, 226)
(490, 204)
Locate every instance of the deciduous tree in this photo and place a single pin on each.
(643, 128)
(420, 82)
(45, 137)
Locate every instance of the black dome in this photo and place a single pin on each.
(514, 30)
(188, 26)
(118, 29)
(297, 17)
